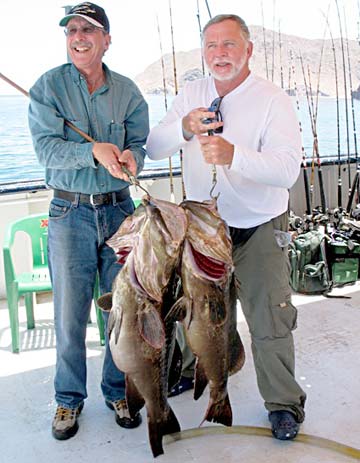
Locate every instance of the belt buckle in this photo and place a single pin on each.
(92, 202)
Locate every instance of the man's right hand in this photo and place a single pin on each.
(193, 122)
(108, 155)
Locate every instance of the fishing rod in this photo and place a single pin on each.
(265, 50)
(133, 180)
(337, 113)
(356, 178)
(200, 33)
(346, 95)
(358, 22)
(273, 44)
(280, 58)
(313, 112)
(308, 190)
(207, 6)
(214, 109)
(172, 191)
(176, 92)
(315, 137)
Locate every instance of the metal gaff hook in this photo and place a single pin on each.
(133, 180)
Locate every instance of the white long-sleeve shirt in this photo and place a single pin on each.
(260, 121)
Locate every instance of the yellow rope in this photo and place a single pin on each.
(308, 439)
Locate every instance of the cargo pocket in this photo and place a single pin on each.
(284, 314)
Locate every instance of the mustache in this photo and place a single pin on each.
(80, 43)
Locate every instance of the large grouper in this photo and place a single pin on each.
(207, 308)
(149, 244)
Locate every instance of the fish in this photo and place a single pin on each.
(141, 343)
(207, 308)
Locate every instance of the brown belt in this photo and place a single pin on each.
(95, 200)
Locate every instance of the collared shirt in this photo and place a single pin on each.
(115, 113)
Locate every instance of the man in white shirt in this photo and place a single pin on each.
(257, 159)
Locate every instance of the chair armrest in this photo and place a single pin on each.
(8, 263)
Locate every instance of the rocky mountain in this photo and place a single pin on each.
(283, 66)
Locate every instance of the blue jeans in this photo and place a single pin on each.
(77, 251)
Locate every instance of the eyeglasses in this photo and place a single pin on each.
(86, 30)
(215, 108)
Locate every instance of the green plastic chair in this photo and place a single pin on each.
(35, 281)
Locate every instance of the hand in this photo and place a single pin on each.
(107, 154)
(127, 160)
(113, 159)
(216, 150)
(192, 123)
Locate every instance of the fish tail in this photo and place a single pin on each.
(219, 412)
(158, 429)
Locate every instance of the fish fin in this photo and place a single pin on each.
(134, 400)
(177, 311)
(151, 327)
(111, 323)
(219, 412)
(175, 367)
(158, 429)
(105, 302)
(201, 380)
(115, 322)
(236, 354)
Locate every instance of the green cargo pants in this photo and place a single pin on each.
(262, 280)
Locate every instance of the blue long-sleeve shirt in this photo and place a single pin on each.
(115, 113)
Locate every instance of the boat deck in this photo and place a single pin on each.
(328, 368)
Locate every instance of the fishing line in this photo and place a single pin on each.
(308, 439)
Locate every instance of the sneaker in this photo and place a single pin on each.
(65, 423)
(283, 425)
(122, 415)
(185, 384)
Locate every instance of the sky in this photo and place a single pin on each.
(32, 41)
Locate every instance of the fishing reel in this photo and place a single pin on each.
(214, 108)
(295, 223)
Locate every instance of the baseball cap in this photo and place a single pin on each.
(94, 14)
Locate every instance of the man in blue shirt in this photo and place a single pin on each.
(91, 197)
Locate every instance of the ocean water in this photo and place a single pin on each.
(18, 161)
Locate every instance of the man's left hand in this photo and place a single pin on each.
(216, 150)
(127, 160)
